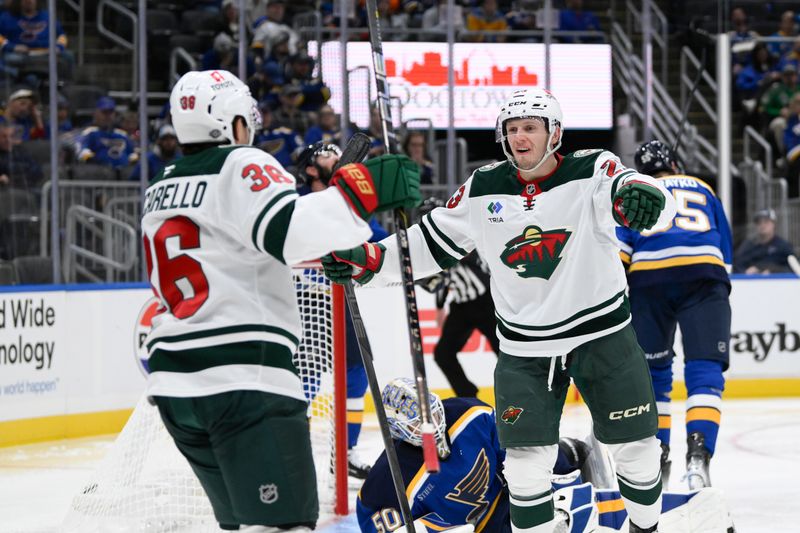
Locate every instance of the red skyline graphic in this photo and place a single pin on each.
(432, 71)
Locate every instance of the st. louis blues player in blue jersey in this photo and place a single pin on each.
(680, 276)
(468, 490)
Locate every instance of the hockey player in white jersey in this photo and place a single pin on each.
(545, 225)
(221, 228)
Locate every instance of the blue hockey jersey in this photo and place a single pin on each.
(696, 245)
(467, 489)
(110, 147)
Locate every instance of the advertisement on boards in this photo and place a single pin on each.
(485, 75)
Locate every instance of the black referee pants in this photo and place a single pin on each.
(463, 319)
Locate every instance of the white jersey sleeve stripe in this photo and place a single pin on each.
(440, 239)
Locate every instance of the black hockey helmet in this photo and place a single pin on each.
(654, 156)
(308, 158)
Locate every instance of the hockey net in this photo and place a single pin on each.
(144, 484)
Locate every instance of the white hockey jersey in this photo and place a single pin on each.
(556, 277)
(219, 229)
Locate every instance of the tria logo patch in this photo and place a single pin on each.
(535, 253)
(495, 207)
(268, 493)
(511, 414)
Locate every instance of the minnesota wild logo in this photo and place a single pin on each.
(511, 414)
(535, 253)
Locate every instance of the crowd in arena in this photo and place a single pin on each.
(101, 140)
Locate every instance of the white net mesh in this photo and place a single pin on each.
(144, 484)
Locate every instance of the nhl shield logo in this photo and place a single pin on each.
(268, 493)
(511, 414)
(535, 253)
(530, 189)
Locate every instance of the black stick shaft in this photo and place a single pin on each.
(401, 225)
(355, 155)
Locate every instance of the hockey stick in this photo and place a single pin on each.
(794, 264)
(355, 152)
(401, 225)
(685, 114)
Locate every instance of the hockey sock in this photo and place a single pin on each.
(356, 387)
(642, 501)
(532, 514)
(704, 384)
(662, 386)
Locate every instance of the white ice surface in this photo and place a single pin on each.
(757, 465)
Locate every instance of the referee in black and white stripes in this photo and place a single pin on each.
(466, 286)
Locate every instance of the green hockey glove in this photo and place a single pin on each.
(380, 184)
(637, 205)
(359, 264)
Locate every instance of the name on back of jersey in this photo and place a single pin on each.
(174, 195)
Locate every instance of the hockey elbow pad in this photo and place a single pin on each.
(637, 205)
(380, 184)
(359, 264)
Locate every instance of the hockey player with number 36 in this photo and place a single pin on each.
(559, 293)
(221, 229)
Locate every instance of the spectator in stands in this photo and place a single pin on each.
(24, 116)
(792, 57)
(753, 79)
(299, 71)
(25, 33)
(435, 18)
(523, 18)
(326, 129)
(266, 82)
(276, 139)
(786, 29)
(574, 18)
(486, 18)
(104, 144)
(165, 152)
(743, 39)
(229, 19)
(765, 253)
(277, 58)
(289, 113)
(791, 145)
(415, 146)
(18, 169)
(129, 123)
(268, 27)
(775, 100)
(224, 55)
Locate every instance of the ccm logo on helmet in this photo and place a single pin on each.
(627, 413)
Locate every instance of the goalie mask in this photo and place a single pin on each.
(204, 105)
(535, 104)
(400, 400)
(310, 157)
(654, 157)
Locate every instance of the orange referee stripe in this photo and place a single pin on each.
(703, 413)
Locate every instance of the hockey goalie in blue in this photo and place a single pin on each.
(469, 493)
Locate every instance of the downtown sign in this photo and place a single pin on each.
(485, 74)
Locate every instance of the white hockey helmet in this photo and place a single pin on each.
(400, 401)
(530, 103)
(204, 104)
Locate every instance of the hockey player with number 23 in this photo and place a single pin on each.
(221, 228)
(545, 225)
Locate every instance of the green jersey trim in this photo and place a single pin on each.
(573, 318)
(603, 322)
(207, 162)
(442, 258)
(262, 215)
(207, 337)
(241, 353)
(428, 219)
(615, 184)
(275, 234)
